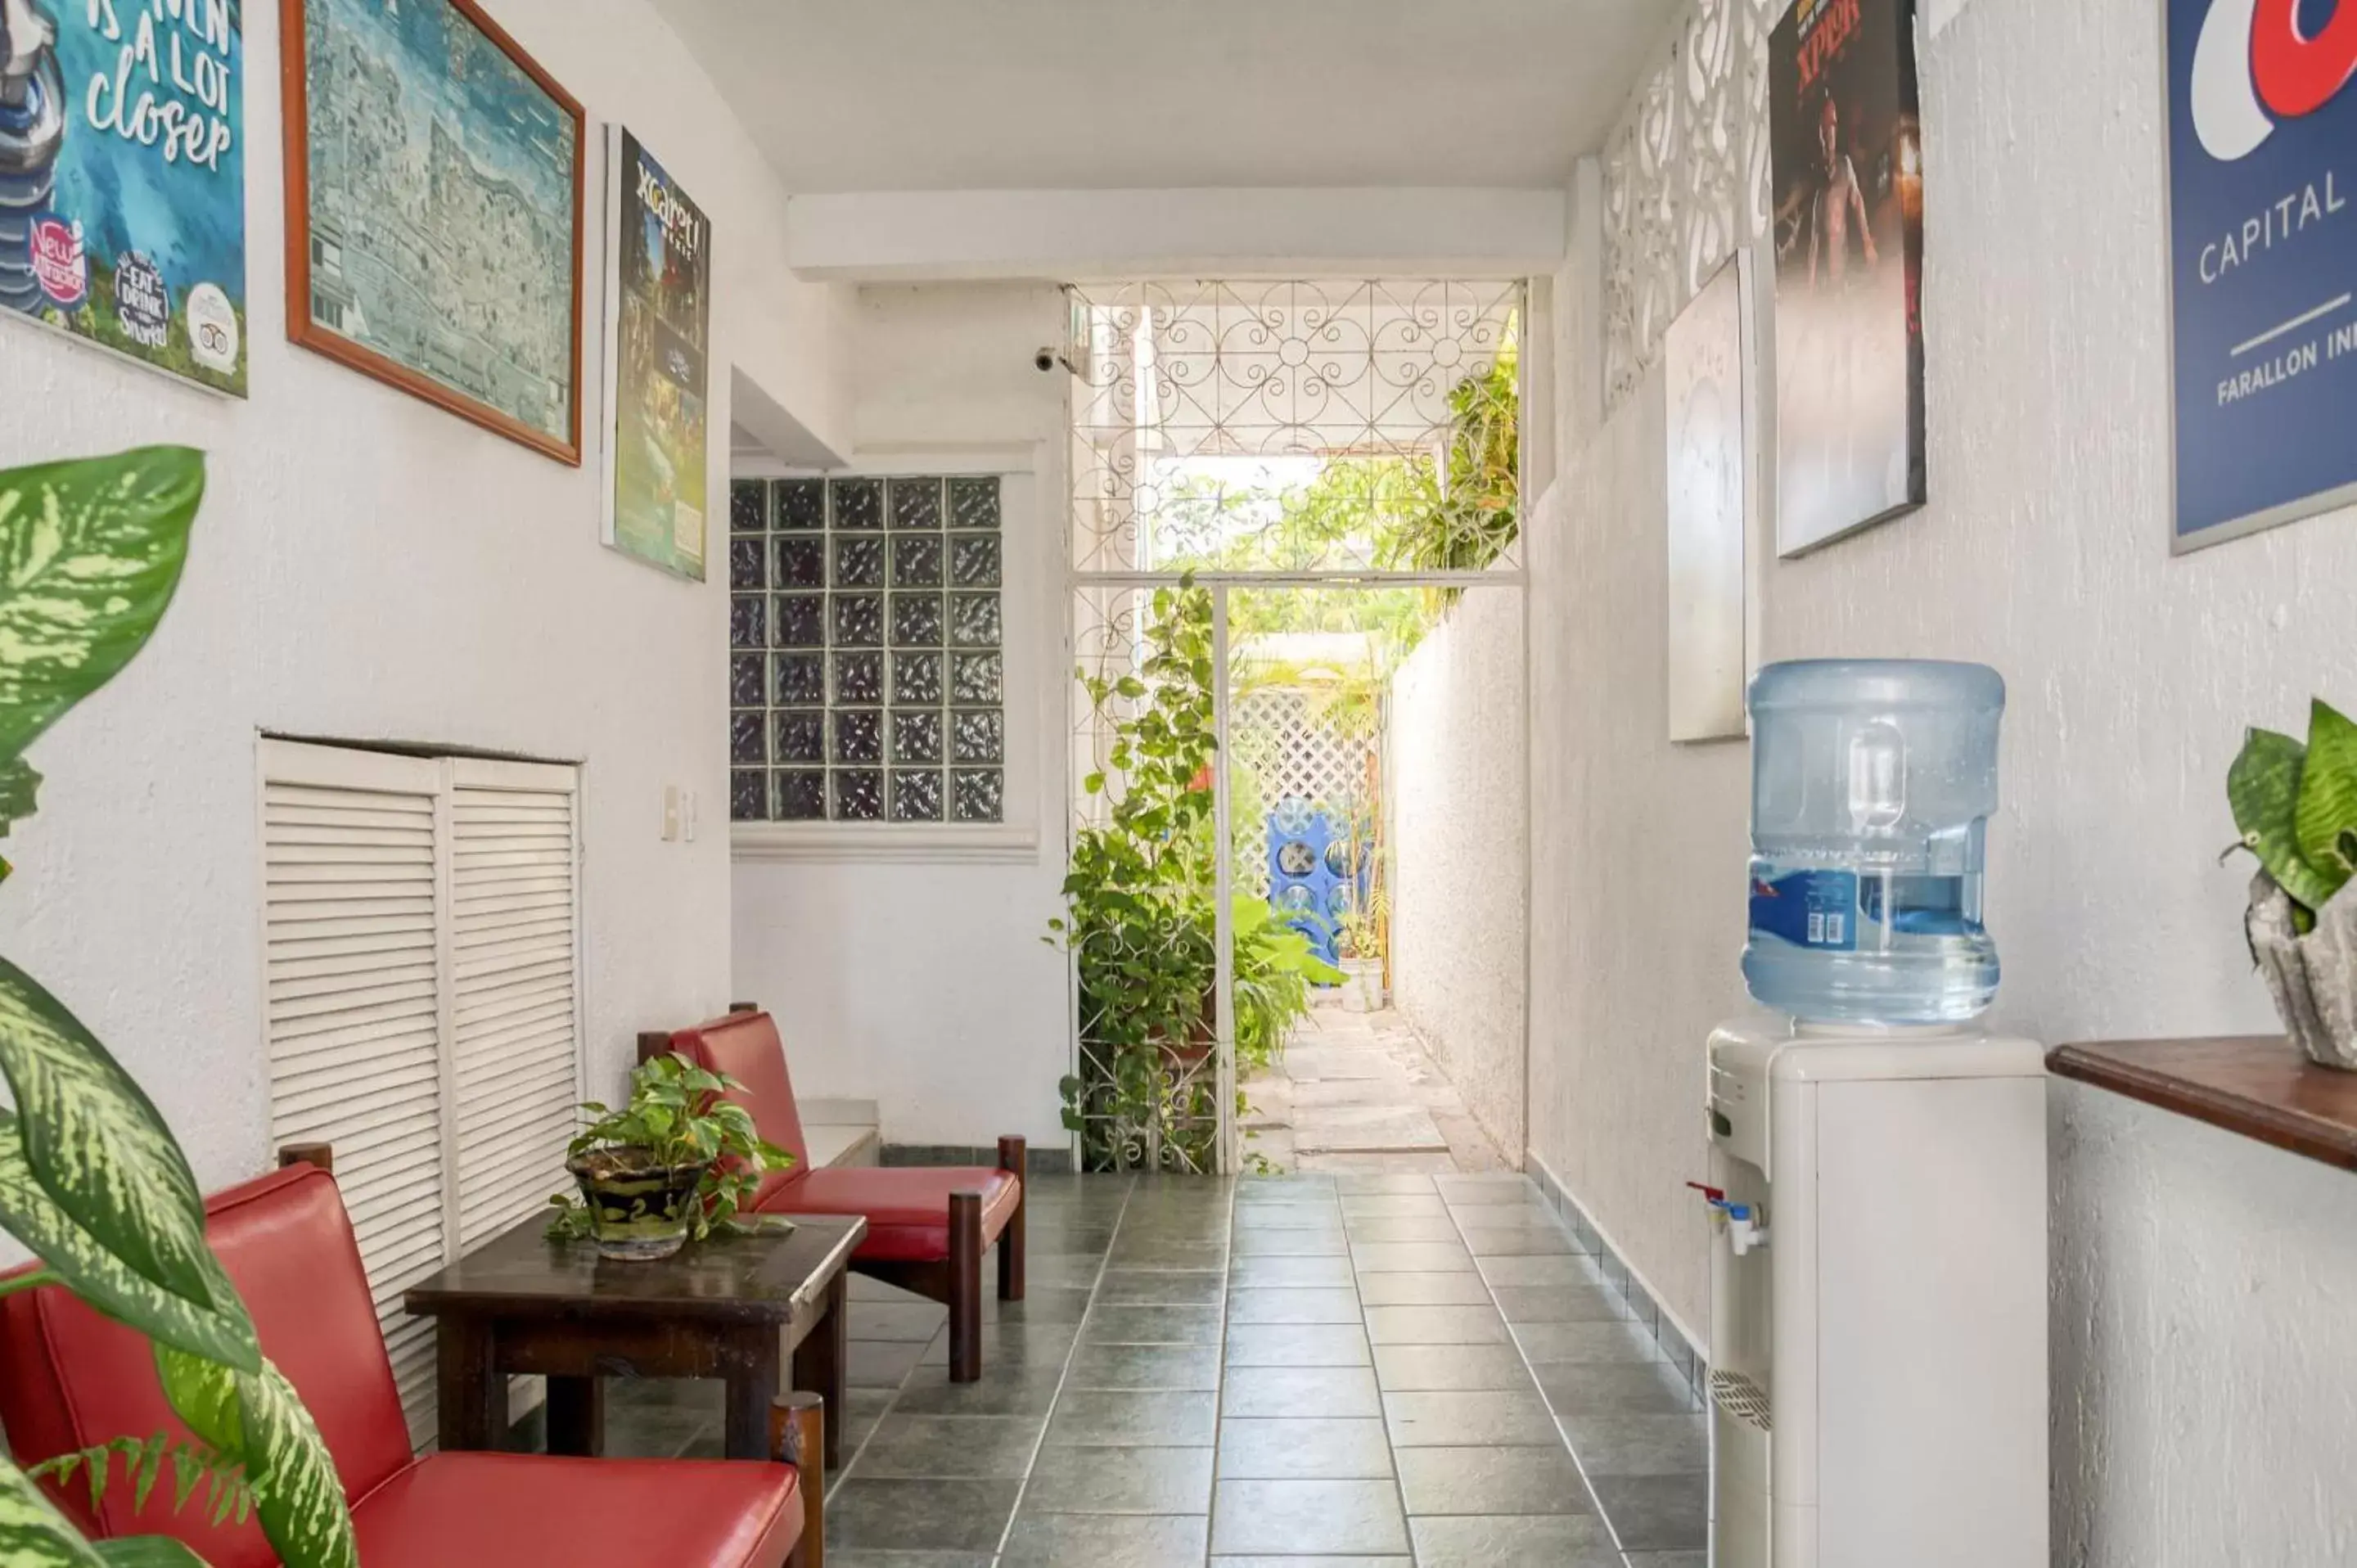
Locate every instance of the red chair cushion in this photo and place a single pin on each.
(907, 1207)
(744, 1047)
(524, 1510)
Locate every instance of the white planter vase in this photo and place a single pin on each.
(2313, 978)
(1362, 984)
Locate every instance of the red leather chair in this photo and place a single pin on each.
(69, 1379)
(927, 1226)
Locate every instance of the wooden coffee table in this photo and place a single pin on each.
(732, 1307)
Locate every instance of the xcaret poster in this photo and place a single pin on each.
(1846, 166)
(123, 179)
(2262, 261)
(659, 323)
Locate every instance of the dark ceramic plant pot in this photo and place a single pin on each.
(639, 1213)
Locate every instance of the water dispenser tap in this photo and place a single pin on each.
(1746, 1227)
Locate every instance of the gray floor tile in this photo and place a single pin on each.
(1322, 1215)
(1003, 1390)
(1039, 1306)
(1298, 1345)
(1324, 1306)
(1572, 1301)
(906, 1559)
(1610, 1341)
(1292, 1244)
(1491, 1481)
(1539, 1270)
(1411, 1257)
(1098, 1366)
(1148, 1287)
(1415, 1368)
(1578, 1389)
(1292, 1187)
(1452, 1419)
(920, 1447)
(919, 1516)
(1403, 1228)
(1071, 1272)
(1152, 1325)
(1667, 1560)
(918, 1320)
(1026, 1346)
(1423, 1290)
(1121, 1480)
(1659, 1513)
(1255, 1273)
(1313, 1563)
(1638, 1445)
(1363, 1182)
(1309, 1518)
(1304, 1449)
(1493, 1187)
(1342, 1392)
(1436, 1325)
(1104, 1541)
(1514, 1241)
(1369, 1205)
(1575, 1541)
(1088, 1419)
(882, 1363)
(1501, 1216)
(1149, 1253)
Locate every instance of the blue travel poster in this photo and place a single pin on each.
(122, 177)
(2263, 172)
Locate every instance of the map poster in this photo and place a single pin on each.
(433, 195)
(658, 347)
(2263, 261)
(1845, 166)
(123, 179)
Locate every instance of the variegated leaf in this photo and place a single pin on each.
(203, 1394)
(97, 1145)
(147, 1551)
(32, 1533)
(296, 1490)
(105, 1282)
(2262, 787)
(2328, 793)
(90, 553)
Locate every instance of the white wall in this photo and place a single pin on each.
(366, 566)
(923, 983)
(2185, 1269)
(1459, 860)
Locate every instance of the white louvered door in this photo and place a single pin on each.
(422, 1001)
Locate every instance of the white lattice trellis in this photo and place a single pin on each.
(1298, 756)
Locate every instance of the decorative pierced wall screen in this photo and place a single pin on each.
(1207, 399)
(1685, 179)
(1297, 757)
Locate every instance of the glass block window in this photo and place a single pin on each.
(865, 675)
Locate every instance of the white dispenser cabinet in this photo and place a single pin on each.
(1879, 1344)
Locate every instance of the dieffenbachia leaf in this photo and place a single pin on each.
(97, 1146)
(2328, 794)
(2262, 787)
(32, 1533)
(258, 1420)
(19, 788)
(90, 553)
(105, 1282)
(147, 1551)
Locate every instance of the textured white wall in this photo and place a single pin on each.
(1459, 860)
(925, 987)
(369, 568)
(2044, 552)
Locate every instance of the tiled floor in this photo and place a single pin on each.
(1358, 1091)
(1357, 1369)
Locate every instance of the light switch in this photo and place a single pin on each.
(670, 814)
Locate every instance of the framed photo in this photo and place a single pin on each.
(1705, 381)
(2263, 263)
(124, 223)
(1845, 163)
(433, 211)
(657, 363)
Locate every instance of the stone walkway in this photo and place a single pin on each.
(1358, 1091)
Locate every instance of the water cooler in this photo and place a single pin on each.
(1878, 1179)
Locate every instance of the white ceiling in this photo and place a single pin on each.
(1095, 95)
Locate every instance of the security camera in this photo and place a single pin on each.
(1044, 361)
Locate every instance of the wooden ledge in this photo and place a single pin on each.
(2258, 1085)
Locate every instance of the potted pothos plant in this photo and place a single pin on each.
(676, 1162)
(2296, 807)
(91, 1181)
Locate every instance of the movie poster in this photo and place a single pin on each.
(2262, 263)
(659, 318)
(122, 177)
(1846, 154)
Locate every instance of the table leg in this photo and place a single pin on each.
(471, 1399)
(751, 1357)
(822, 1362)
(576, 1416)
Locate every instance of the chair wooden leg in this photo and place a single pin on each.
(1015, 1157)
(798, 1426)
(966, 1286)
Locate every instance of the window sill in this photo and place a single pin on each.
(2259, 1086)
(884, 844)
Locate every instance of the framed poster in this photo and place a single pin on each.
(123, 219)
(658, 362)
(1707, 513)
(1845, 160)
(2262, 263)
(434, 195)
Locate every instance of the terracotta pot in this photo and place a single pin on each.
(2312, 976)
(639, 1212)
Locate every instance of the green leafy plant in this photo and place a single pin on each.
(2296, 807)
(1274, 968)
(91, 1181)
(676, 1116)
